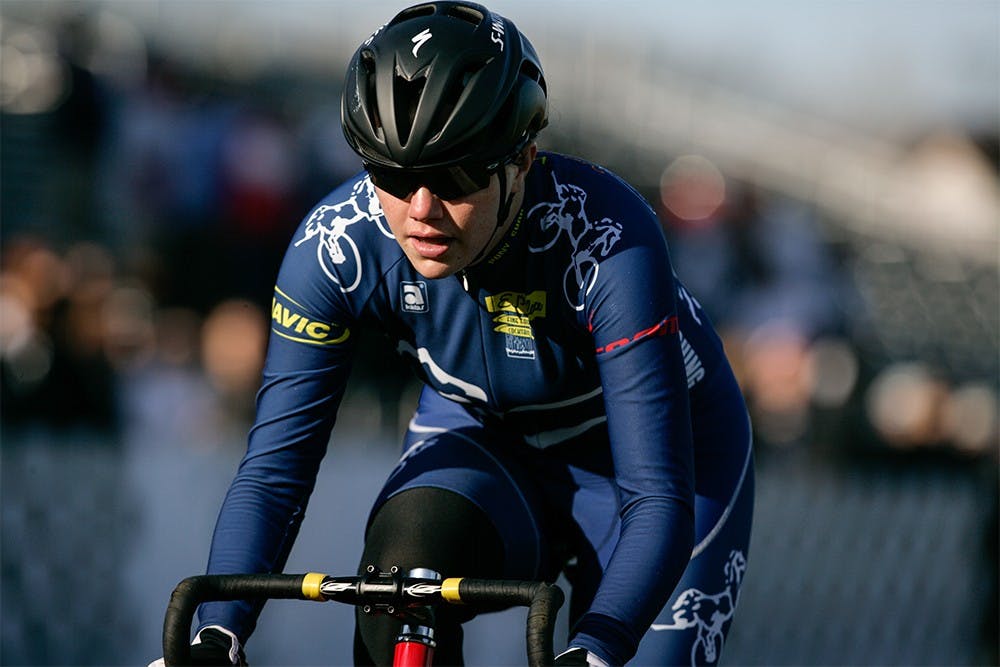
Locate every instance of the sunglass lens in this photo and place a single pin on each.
(397, 182)
(446, 183)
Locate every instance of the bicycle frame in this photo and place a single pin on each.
(411, 598)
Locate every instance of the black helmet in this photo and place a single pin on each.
(441, 84)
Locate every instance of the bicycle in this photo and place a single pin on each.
(411, 597)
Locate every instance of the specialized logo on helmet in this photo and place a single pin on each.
(371, 37)
(590, 241)
(336, 251)
(289, 320)
(496, 32)
(514, 314)
(420, 39)
(708, 613)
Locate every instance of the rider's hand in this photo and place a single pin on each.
(578, 657)
(213, 647)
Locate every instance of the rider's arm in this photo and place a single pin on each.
(631, 313)
(310, 350)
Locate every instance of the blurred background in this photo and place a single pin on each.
(826, 174)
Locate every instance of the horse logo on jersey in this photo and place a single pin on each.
(708, 613)
(336, 251)
(590, 241)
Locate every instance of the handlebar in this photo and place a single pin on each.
(377, 591)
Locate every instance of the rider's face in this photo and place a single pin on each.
(441, 237)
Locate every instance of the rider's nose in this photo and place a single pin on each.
(424, 205)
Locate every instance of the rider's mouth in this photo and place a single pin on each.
(431, 247)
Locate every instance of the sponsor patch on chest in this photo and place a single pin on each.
(413, 297)
(512, 315)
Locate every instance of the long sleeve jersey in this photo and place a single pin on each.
(573, 329)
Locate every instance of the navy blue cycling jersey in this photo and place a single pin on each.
(573, 333)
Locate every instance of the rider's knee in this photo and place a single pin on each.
(434, 528)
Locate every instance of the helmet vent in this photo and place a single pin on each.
(413, 13)
(367, 73)
(406, 100)
(531, 71)
(449, 100)
(469, 14)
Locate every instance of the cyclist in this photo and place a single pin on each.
(579, 414)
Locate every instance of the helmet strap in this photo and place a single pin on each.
(506, 200)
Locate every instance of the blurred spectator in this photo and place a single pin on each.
(758, 266)
(232, 348)
(912, 407)
(128, 326)
(970, 419)
(905, 403)
(55, 367)
(162, 182)
(26, 303)
(167, 401)
(258, 210)
(327, 157)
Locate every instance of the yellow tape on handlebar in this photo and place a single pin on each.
(310, 586)
(449, 590)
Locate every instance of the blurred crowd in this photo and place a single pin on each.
(145, 210)
(146, 205)
(803, 315)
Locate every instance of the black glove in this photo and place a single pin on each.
(216, 649)
(578, 657)
(574, 657)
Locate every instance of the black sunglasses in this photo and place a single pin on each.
(445, 182)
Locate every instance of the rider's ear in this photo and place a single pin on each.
(521, 164)
(525, 158)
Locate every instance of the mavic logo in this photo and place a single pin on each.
(289, 321)
(413, 297)
(420, 39)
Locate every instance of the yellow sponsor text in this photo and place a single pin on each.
(529, 305)
(289, 320)
(515, 311)
(521, 332)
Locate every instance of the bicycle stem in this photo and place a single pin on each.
(415, 644)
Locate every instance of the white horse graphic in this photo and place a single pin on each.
(708, 613)
(336, 248)
(590, 241)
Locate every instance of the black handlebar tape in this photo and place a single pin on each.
(214, 587)
(541, 621)
(543, 602)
